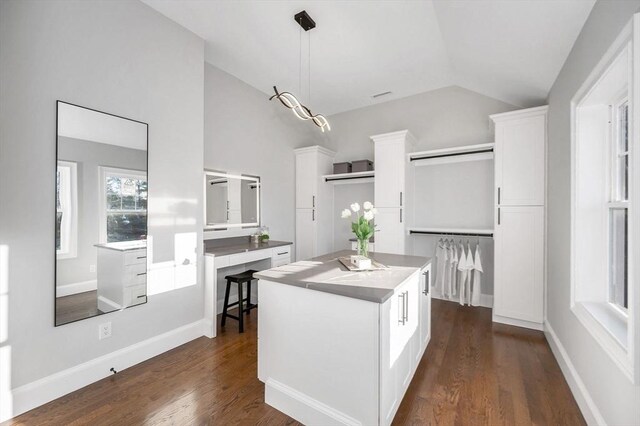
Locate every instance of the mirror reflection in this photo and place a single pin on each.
(231, 200)
(101, 213)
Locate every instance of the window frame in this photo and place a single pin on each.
(613, 328)
(104, 171)
(68, 232)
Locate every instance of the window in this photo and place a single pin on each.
(66, 210)
(619, 205)
(124, 216)
(603, 216)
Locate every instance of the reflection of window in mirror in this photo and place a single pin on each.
(123, 216)
(66, 210)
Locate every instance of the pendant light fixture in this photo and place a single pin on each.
(287, 99)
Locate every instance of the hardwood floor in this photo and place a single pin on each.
(77, 306)
(474, 372)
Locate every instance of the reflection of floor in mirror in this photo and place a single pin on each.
(77, 306)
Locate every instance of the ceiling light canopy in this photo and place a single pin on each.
(289, 100)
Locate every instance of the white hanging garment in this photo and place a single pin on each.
(454, 270)
(448, 258)
(439, 281)
(477, 278)
(470, 265)
(464, 274)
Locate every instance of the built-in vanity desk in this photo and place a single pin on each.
(227, 252)
(337, 347)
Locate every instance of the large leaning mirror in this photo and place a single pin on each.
(232, 201)
(101, 213)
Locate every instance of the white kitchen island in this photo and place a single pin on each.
(338, 347)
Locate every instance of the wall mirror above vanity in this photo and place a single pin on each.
(231, 200)
(101, 213)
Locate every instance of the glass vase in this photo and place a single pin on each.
(363, 248)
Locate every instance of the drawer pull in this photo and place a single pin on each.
(141, 257)
(141, 273)
(140, 297)
(284, 252)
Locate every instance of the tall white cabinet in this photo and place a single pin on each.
(520, 163)
(314, 202)
(393, 186)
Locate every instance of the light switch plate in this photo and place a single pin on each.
(104, 331)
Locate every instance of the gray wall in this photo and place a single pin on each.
(616, 398)
(89, 156)
(244, 133)
(115, 56)
(452, 195)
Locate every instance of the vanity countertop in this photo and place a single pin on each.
(241, 247)
(327, 274)
(124, 245)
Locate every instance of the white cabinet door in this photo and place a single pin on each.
(425, 308)
(305, 234)
(306, 180)
(519, 263)
(389, 181)
(389, 230)
(519, 160)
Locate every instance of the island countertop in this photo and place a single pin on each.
(327, 274)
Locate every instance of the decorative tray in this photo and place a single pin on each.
(375, 266)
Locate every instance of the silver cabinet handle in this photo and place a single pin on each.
(313, 215)
(498, 195)
(426, 283)
(400, 215)
(400, 198)
(498, 215)
(401, 320)
(406, 310)
(284, 252)
(313, 201)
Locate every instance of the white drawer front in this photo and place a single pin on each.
(135, 274)
(249, 256)
(135, 295)
(135, 257)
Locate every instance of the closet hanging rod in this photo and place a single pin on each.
(464, 234)
(453, 154)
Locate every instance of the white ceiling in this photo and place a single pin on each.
(511, 50)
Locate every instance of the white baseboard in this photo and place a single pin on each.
(75, 288)
(580, 393)
(34, 394)
(517, 322)
(486, 300)
(302, 407)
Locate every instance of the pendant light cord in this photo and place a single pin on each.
(309, 54)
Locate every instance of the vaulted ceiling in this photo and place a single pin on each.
(511, 50)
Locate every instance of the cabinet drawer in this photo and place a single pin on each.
(135, 274)
(135, 295)
(135, 257)
(249, 256)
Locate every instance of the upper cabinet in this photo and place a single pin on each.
(520, 157)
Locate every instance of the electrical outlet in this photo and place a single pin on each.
(104, 331)
(92, 268)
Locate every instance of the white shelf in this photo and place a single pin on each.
(458, 154)
(452, 231)
(349, 178)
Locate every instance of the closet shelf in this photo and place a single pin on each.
(349, 178)
(452, 231)
(458, 154)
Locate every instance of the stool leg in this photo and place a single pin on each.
(248, 297)
(226, 303)
(240, 308)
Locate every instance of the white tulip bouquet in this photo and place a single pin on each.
(363, 227)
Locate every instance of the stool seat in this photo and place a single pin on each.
(239, 279)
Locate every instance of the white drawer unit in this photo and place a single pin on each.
(122, 278)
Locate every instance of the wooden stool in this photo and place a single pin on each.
(244, 277)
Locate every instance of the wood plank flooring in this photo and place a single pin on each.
(474, 372)
(76, 307)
